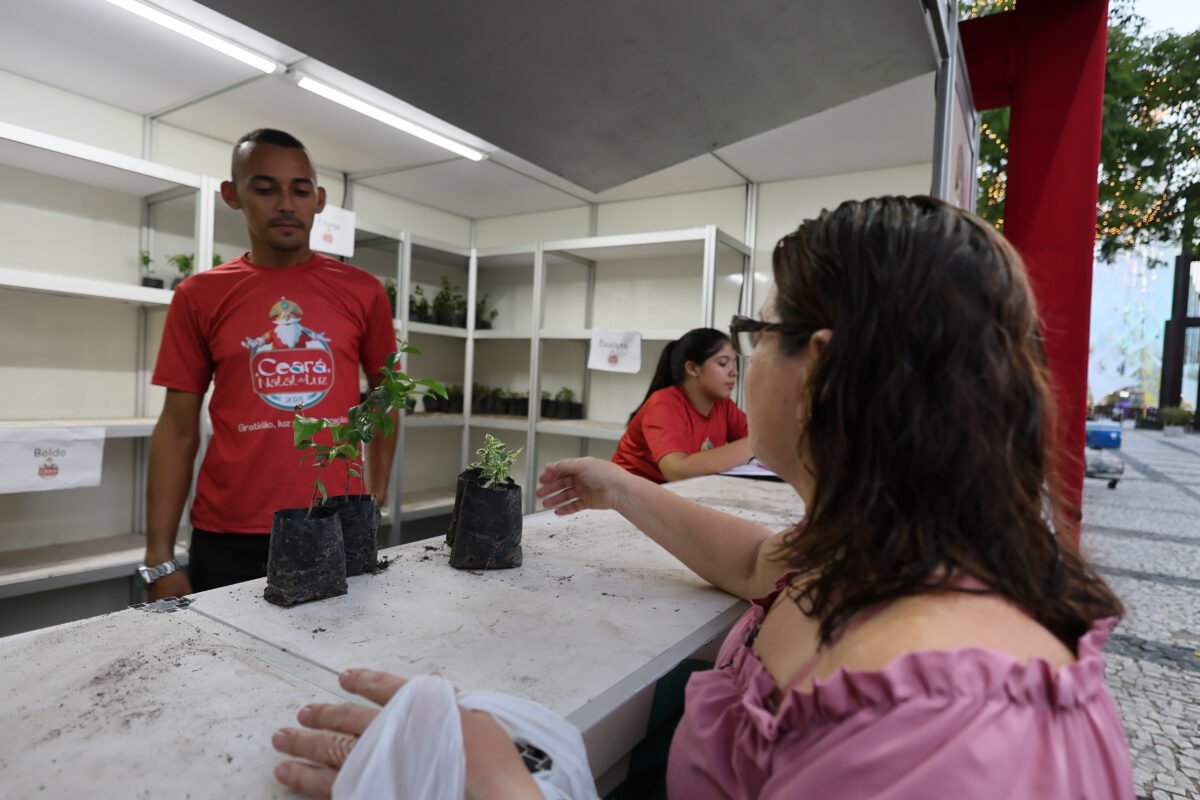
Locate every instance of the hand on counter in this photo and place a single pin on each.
(493, 766)
(576, 484)
(174, 585)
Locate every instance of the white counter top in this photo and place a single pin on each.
(145, 701)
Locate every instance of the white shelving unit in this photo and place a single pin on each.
(607, 275)
(548, 298)
(660, 284)
(74, 179)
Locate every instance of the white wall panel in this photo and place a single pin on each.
(57, 226)
(522, 229)
(374, 206)
(725, 208)
(66, 357)
(782, 206)
(44, 108)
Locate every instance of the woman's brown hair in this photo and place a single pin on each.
(930, 418)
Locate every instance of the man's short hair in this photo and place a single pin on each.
(263, 136)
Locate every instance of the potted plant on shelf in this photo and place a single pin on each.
(147, 264)
(313, 549)
(443, 303)
(520, 404)
(185, 263)
(389, 286)
(478, 394)
(567, 407)
(483, 317)
(485, 525)
(549, 407)
(418, 305)
(458, 309)
(454, 395)
(1174, 420)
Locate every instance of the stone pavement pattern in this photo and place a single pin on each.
(1144, 537)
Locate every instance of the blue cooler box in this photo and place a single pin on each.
(1103, 434)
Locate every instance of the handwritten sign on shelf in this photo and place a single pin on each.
(45, 459)
(615, 351)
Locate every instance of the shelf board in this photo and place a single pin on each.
(67, 286)
(500, 333)
(585, 334)
(499, 422)
(426, 503)
(54, 566)
(83, 163)
(659, 244)
(436, 330)
(583, 428)
(132, 428)
(433, 419)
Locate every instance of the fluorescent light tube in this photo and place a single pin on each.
(196, 34)
(387, 118)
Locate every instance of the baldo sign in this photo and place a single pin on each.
(44, 459)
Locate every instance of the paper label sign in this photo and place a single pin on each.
(615, 351)
(45, 459)
(333, 232)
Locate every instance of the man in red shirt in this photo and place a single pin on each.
(277, 327)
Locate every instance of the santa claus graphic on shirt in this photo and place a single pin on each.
(290, 364)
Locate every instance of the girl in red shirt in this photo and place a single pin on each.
(687, 425)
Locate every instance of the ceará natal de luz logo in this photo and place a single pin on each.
(290, 364)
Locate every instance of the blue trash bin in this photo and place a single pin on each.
(1103, 434)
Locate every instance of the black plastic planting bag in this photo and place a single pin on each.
(359, 516)
(307, 559)
(485, 528)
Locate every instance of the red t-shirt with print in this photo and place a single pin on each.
(669, 423)
(270, 339)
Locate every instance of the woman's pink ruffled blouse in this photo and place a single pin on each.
(970, 723)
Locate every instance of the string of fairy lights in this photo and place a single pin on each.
(1126, 208)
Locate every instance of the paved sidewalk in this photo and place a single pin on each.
(1144, 536)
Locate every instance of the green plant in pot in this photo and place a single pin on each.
(185, 263)
(389, 286)
(567, 407)
(146, 261)
(418, 305)
(313, 549)
(444, 303)
(483, 317)
(485, 525)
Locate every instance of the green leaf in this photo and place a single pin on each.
(434, 386)
(305, 428)
(321, 488)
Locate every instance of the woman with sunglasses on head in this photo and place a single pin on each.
(921, 632)
(687, 425)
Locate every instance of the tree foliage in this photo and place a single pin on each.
(1150, 140)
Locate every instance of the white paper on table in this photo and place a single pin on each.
(45, 459)
(753, 469)
(615, 351)
(333, 232)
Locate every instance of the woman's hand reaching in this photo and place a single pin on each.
(577, 484)
(335, 729)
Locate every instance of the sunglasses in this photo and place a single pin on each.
(744, 333)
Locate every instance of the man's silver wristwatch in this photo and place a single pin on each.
(151, 574)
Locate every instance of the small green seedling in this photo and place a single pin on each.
(495, 462)
(364, 422)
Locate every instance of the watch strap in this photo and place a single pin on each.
(152, 574)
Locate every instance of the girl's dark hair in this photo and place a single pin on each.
(697, 346)
(930, 419)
